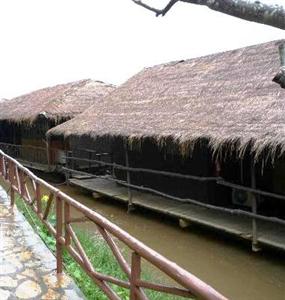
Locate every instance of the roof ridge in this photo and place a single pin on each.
(187, 60)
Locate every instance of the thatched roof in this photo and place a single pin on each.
(59, 102)
(226, 99)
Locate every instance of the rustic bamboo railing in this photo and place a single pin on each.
(29, 153)
(252, 191)
(31, 188)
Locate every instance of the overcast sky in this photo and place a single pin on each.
(46, 42)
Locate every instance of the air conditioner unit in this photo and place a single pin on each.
(241, 198)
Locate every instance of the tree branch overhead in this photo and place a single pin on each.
(254, 11)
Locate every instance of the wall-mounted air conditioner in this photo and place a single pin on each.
(241, 198)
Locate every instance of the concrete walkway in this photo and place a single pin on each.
(27, 267)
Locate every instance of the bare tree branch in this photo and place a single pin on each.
(157, 12)
(250, 10)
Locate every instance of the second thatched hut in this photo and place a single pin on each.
(24, 120)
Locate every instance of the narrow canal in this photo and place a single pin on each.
(226, 264)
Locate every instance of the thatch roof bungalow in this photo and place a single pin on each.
(24, 120)
(58, 103)
(221, 105)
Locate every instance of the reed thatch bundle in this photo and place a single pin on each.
(60, 102)
(227, 99)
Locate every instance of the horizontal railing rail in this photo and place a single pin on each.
(232, 211)
(150, 171)
(27, 153)
(31, 189)
(96, 153)
(253, 192)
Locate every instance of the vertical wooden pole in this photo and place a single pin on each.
(113, 168)
(72, 160)
(38, 200)
(10, 172)
(12, 197)
(48, 153)
(130, 196)
(1, 165)
(89, 162)
(21, 176)
(68, 166)
(135, 275)
(10, 176)
(254, 245)
(66, 222)
(58, 234)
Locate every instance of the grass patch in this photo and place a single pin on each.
(100, 256)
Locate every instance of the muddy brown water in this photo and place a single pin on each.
(225, 263)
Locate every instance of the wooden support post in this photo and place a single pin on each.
(49, 154)
(68, 166)
(89, 162)
(72, 160)
(38, 200)
(113, 168)
(254, 245)
(66, 223)
(58, 234)
(21, 187)
(12, 197)
(130, 196)
(135, 276)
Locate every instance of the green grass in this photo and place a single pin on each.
(100, 256)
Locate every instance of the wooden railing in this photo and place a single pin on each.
(88, 162)
(29, 153)
(252, 192)
(31, 189)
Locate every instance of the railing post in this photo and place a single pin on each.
(130, 196)
(59, 247)
(12, 197)
(38, 199)
(48, 154)
(68, 166)
(1, 165)
(21, 189)
(112, 161)
(254, 244)
(66, 222)
(135, 276)
(89, 162)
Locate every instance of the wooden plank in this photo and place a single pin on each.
(102, 186)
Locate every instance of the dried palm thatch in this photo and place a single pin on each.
(227, 99)
(56, 103)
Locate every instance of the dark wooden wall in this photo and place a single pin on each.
(150, 156)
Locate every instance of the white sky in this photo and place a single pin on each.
(46, 42)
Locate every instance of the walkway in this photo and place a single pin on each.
(269, 234)
(27, 267)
